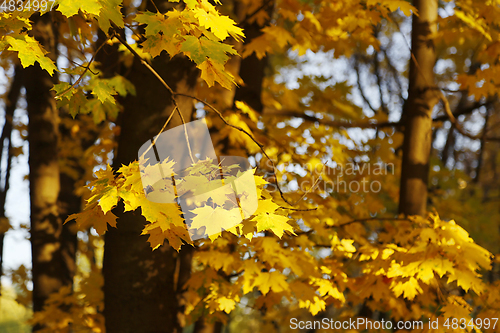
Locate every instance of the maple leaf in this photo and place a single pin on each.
(154, 22)
(266, 206)
(69, 7)
(281, 36)
(215, 220)
(29, 51)
(163, 215)
(261, 45)
(95, 217)
(121, 85)
(274, 281)
(156, 237)
(307, 297)
(474, 23)
(246, 190)
(174, 235)
(76, 103)
(226, 304)
(215, 72)
(276, 223)
(199, 49)
(110, 11)
(456, 308)
(394, 5)
(438, 265)
(108, 199)
(221, 26)
(410, 288)
(103, 91)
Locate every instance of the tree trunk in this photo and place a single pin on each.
(143, 288)
(417, 112)
(50, 267)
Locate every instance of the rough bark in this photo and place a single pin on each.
(143, 288)
(50, 267)
(417, 113)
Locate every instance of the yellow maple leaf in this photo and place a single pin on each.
(410, 288)
(213, 72)
(457, 307)
(221, 26)
(93, 216)
(266, 206)
(109, 199)
(226, 304)
(276, 223)
(274, 281)
(162, 215)
(215, 220)
(438, 265)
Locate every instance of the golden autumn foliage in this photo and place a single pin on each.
(315, 247)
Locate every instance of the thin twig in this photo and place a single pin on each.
(358, 82)
(157, 10)
(174, 101)
(309, 190)
(172, 93)
(371, 219)
(161, 130)
(261, 146)
(87, 68)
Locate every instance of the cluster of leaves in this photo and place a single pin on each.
(198, 32)
(166, 219)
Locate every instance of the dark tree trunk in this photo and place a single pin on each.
(52, 269)
(143, 288)
(417, 113)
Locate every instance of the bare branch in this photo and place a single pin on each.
(87, 68)
(358, 82)
(176, 108)
(328, 122)
(459, 127)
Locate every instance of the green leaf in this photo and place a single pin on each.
(103, 91)
(157, 23)
(122, 86)
(77, 101)
(110, 12)
(199, 49)
(29, 51)
(154, 22)
(63, 86)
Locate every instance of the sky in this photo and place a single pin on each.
(17, 248)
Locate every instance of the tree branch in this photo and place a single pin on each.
(176, 108)
(87, 68)
(358, 82)
(459, 127)
(328, 122)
